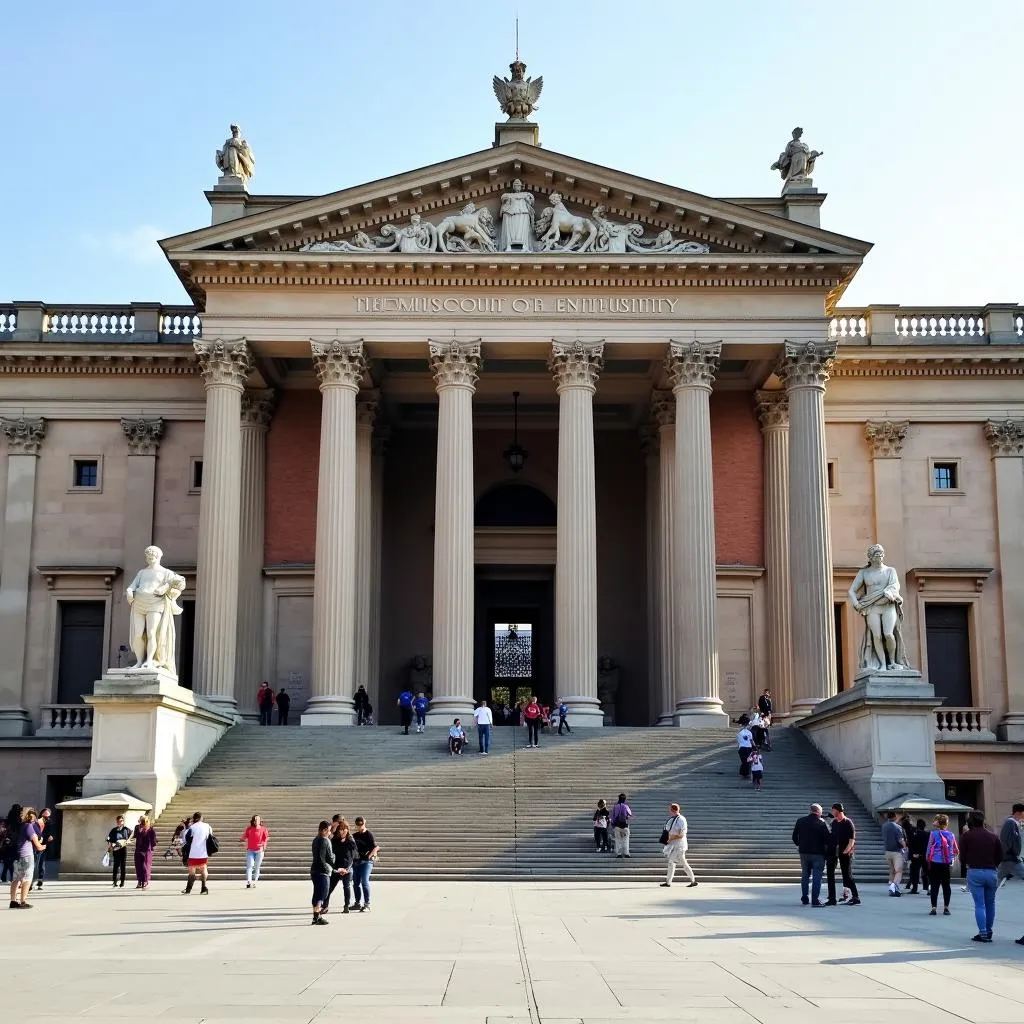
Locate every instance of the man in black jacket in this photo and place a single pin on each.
(284, 702)
(811, 838)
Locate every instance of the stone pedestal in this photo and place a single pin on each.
(879, 736)
(85, 826)
(507, 132)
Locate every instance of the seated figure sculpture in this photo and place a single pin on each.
(875, 594)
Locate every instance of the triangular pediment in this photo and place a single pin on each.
(456, 207)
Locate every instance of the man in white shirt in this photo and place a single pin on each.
(195, 839)
(744, 745)
(676, 847)
(484, 720)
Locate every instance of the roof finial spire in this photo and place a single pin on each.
(517, 37)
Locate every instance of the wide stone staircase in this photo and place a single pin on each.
(518, 813)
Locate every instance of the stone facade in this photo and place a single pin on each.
(798, 432)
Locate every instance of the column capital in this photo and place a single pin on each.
(663, 407)
(455, 363)
(367, 402)
(224, 363)
(143, 435)
(807, 364)
(772, 410)
(886, 437)
(692, 364)
(258, 407)
(339, 363)
(24, 435)
(576, 364)
(1005, 438)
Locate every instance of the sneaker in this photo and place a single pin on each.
(248, 885)
(344, 909)
(28, 906)
(666, 885)
(357, 906)
(364, 908)
(981, 938)
(618, 856)
(14, 905)
(804, 900)
(691, 885)
(817, 903)
(945, 912)
(932, 912)
(852, 903)
(204, 891)
(627, 856)
(320, 920)
(1020, 941)
(831, 903)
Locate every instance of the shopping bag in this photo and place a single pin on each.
(106, 859)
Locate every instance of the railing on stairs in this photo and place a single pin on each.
(958, 724)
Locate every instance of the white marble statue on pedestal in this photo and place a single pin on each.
(875, 594)
(796, 162)
(236, 161)
(516, 220)
(153, 600)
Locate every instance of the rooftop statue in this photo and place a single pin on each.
(518, 95)
(796, 161)
(236, 159)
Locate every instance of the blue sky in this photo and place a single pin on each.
(114, 110)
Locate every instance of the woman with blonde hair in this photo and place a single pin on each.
(940, 853)
(145, 843)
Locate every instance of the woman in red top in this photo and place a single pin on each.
(255, 838)
(532, 714)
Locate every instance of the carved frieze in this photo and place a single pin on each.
(692, 364)
(339, 363)
(885, 437)
(455, 363)
(24, 435)
(1005, 437)
(576, 364)
(143, 434)
(224, 363)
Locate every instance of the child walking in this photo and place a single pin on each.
(756, 767)
(601, 827)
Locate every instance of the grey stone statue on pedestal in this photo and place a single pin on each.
(875, 594)
(796, 162)
(421, 675)
(607, 687)
(236, 161)
(153, 600)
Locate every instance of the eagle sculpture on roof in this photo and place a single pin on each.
(518, 95)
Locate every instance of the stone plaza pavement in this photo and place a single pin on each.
(498, 953)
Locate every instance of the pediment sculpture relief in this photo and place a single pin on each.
(473, 229)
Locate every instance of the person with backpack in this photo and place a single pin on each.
(197, 846)
(419, 707)
(940, 853)
(621, 815)
(675, 845)
(405, 699)
(601, 819)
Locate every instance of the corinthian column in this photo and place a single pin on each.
(652, 549)
(380, 440)
(366, 413)
(224, 366)
(340, 367)
(691, 368)
(805, 369)
(663, 410)
(576, 367)
(455, 366)
(773, 411)
(257, 410)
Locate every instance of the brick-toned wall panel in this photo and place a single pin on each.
(736, 453)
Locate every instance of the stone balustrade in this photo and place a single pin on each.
(959, 724)
(136, 322)
(996, 324)
(66, 720)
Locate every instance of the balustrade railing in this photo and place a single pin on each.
(963, 723)
(66, 720)
(895, 325)
(136, 322)
(99, 320)
(8, 320)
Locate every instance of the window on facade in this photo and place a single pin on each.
(513, 650)
(197, 475)
(831, 469)
(86, 473)
(80, 651)
(838, 609)
(945, 476)
(948, 636)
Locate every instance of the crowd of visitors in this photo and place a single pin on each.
(346, 855)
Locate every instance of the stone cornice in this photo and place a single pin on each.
(885, 437)
(143, 434)
(455, 363)
(576, 364)
(772, 409)
(1005, 438)
(82, 360)
(951, 360)
(692, 364)
(24, 436)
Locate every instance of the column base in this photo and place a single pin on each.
(700, 713)
(14, 721)
(584, 713)
(803, 706)
(224, 704)
(1011, 728)
(333, 710)
(444, 710)
(665, 719)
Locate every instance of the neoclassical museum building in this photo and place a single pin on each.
(511, 423)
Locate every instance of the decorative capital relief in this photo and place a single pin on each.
(24, 436)
(772, 409)
(339, 363)
(143, 435)
(455, 363)
(576, 364)
(692, 364)
(886, 437)
(1005, 437)
(258, 407)
(650, 442)
(224, 363)
(663, 407)
(367, 402)
(807, 364)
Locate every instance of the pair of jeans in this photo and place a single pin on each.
(405, 715)
(601, 839)
(40, 872)
(282, 717)
(421, 719)
(118, 863)
(265, 715)
(532, 731)
(253, 862)
(918, 873)
(484, 735)
(983, 882)
(811, 867)
(346, 883)
(361, 872)
(744, 753)
(563, 724)
(845, 863)
(938, 877)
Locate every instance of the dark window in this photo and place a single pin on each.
(945, 476)
(515, 505)
(197, 475)
(947, 628)
(80, 657)
(837, 613)
(831, 476)
(186, 639)
(87, 472)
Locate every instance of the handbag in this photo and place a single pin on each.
(212, 845)
(663, 838)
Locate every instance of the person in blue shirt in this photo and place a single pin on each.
(405, 699)
(420, 705)
(563, 720)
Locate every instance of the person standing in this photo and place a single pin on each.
(621, 816)
(284, 703)
(44, 829)
(27, 845)
(764, 703)
(344, 849)
(1012, 864)
(812, 839)
(981, 853)
(563, 716)
(532, 714)
(917, 848)
(841, 847)
(265, 702)
(601, 819)
(675, 847)
(118, 839)
(940, 853)
(756, 763)
(744, 746)
(366, 855)
(895, 841)
(420, 705)
(320, 871)
(195, 847)
(405, 699)
(484, 720)
(145, 840)
(361, 701)
(255, 838)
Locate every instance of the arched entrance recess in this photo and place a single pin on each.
(514, 652)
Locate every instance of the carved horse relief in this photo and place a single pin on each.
(557, 221)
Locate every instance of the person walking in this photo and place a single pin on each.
(811, 837)
(532, 715)
(621, 816)
(144, 837)
(420, 705)
(284, 703)
(44, 829)
(756, 763)
(195, 848)
(255, 838)
(344, 849)
(744, 745)
(404, 702)
(894, 840)
(26, 845)
(767, 709)
(320, 870)
(484, 720)
(841, 846)
(601, 819)
(563, 716)
(1010, 835)
(675, 847)
(366, 856)
(265, 702)
(917, 848)
(361, 701)
(941, 851)
(456, 739)
(981, 853)
(118, 839)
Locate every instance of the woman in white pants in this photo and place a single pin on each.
(675, 848)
